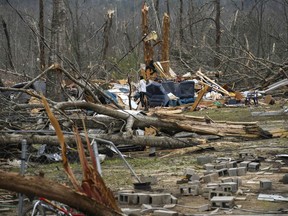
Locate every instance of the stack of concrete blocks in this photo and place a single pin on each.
(222, 202)
(142, 198)
(237, 180)
(210, 187)
(222, 168)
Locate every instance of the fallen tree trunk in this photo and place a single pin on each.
(156, 141)
(245, 130)
(41, 187)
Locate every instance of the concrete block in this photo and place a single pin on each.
(194, 177)
(209, 167)
(160, 199)
(204, 159)
(205, 207)
(129, 211)
(246, 155)
(232, 171)
(229, 186)
(165, 213)
(189, 172)
(227, 179)
(238, 180)
(220, 165)
(244, 164)
(195, 182)
(212, 177)
(152, 179)
(241, 171)
(265, 184)
(222, 202)
(223, 172)
(188, 190)
(253, 167)
(128, 198)
(231, 164)
(174, 200)
(218, 193)
(143, 198)
(285, 179)
(206, 190)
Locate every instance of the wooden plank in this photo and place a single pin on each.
(199, 98)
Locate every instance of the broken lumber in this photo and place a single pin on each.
(173, 125)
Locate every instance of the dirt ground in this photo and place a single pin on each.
(169, 170)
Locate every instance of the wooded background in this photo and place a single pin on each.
(245, 39)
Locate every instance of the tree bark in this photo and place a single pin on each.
(218, 34)
(117, 139)
(165, 44)
(9, 51)
(39, 186)
(54, 77)
(42, 35)
(107, 29)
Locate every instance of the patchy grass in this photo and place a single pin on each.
(240, 114)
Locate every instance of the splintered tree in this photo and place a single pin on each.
(54, 76)
(218, 33)
(41, 32)
(165, 44)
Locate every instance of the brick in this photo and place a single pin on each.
(213, 177)
(165, 213)
(232, 171)
(222, 202)
(265, 184)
